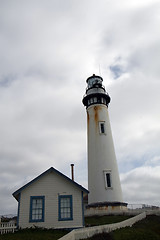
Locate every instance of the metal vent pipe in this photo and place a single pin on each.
(72, 171)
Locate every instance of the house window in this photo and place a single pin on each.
(107, 178)
(65, 208)
(37, 209)
(102, 129)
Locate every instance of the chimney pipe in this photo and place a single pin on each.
(72, 171)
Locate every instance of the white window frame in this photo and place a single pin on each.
(108, 172)
(100, 127)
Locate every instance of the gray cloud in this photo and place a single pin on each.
(48, 49)
(143, 183)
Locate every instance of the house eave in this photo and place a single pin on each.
(17, 192)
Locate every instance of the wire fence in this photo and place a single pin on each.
(140, 206)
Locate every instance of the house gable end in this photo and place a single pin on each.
(50, 170)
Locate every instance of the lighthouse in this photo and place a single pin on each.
(103, 176)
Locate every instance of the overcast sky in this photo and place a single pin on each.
(47, 51)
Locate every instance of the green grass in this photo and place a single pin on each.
(147, 229)
(40, 234)
(34, 234)
(101, 220)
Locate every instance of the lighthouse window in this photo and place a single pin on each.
(95, 99)
(107, 176)
(102, 127)
(91, 100)
(99, 100)
(108, 179)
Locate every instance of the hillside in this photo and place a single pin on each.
(147, 229)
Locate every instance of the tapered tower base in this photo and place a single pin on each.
(105, 208)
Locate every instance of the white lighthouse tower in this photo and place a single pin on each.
(103, 177)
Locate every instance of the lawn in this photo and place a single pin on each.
(101, 220)
(44, 234)
(147, 229)
(34, 234)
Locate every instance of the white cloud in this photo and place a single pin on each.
(48, 49)
(140, 185)
(155, 161)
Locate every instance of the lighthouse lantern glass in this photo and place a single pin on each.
(94, 80)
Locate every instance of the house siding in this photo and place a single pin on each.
(51, 185)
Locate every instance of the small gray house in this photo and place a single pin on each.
(51, 200)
